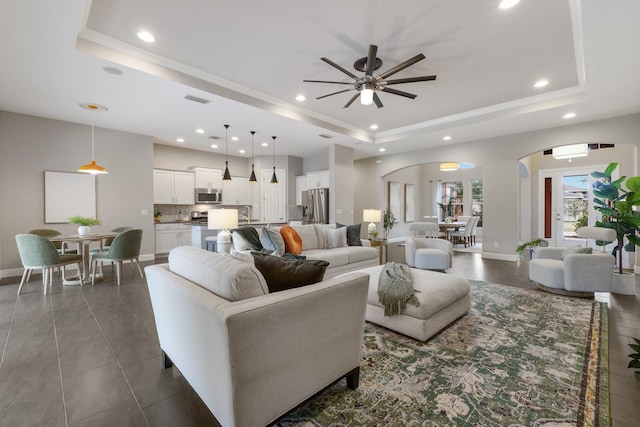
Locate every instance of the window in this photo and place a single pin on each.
(451, 199)
(476, 199)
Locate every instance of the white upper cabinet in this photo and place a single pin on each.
(208, 178)
(173, 187)
(318, 179)
(236, 192)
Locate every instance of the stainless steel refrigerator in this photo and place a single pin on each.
(315, 206)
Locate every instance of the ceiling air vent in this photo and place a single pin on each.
(215, 138)
(196, 99)
(324, 135)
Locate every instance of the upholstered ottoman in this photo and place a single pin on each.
(443, 298)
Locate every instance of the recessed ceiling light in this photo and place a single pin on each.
(569, 116)
(146, 36)
(507, 4)
(241, 151)
(199, 130)
(541, 83)
(382, 150)
(234, 138)
(446, 138)
(214, 146)
(180, 139)
(265, 144)
(373, 126)
(300, 97)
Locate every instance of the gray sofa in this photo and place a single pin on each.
(250, 355)
(341, 259)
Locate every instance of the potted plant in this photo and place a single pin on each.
(84, 223)
(388, 220)
(157, 216)
(530, 244)
(616, 205)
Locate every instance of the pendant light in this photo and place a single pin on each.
(274, 178)
(93, 168)
(227, 175)
(252, 178)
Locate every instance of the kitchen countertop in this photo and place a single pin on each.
(204, 224)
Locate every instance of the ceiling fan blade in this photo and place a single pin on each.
(334, 93)
(377, 100)
(409, 80)
(400, 67)
(371, 59)
(333, 64)
(399, 92)
(351, 100)
(326, 81)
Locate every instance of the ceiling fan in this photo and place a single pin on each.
(368, 84)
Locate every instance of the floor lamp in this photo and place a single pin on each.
(223, 220)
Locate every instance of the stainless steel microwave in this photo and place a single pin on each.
(208, 195)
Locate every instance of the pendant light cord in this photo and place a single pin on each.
(93, 139)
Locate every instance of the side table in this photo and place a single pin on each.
(382, 244)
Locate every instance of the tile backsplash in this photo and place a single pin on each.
(171, 213)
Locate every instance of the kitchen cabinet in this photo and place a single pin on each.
(172, 235)
(208, 178)
(173, 187)
(236, 192)
(318, 179)
(302, 184)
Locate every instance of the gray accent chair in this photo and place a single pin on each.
(125, 247)
(574, 274)
(37, 252)
(427, 253)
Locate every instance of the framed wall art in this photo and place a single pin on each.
(409, 202)
(395, 199)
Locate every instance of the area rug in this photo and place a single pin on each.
(518, 358)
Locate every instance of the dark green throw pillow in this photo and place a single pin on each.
(282, 274)
(250, 237)
(353, 234)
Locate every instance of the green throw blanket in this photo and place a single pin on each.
(395, 288)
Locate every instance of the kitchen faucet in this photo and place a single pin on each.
(246, 215)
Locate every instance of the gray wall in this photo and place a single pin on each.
(341, 184)
(499, 160)
(30, 145)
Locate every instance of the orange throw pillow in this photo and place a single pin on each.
(292, 240)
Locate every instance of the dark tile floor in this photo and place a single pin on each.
(90, 357)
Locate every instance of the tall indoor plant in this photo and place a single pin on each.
(616, 205)
(388, 220)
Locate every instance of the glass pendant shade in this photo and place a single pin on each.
(274, 178)
(252, 178)
(227, 175)
(366, 96)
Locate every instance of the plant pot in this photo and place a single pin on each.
(624, 284)
(84, 229)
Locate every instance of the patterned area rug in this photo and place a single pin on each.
(518, 358)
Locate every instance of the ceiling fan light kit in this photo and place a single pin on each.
(368, 85)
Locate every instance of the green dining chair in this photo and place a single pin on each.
(37, 252)
(125, 247)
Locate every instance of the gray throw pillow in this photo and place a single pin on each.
(272, 240)
(353, 234)
(575, 250)
(281, 274)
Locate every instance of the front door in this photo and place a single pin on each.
(565, 204)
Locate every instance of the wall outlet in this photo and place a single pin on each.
(495, 245)
(144, 212)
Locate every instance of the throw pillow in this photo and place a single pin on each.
(575, 250)
(335, 237)
(353, 234)
(272, 240)
(246, 238)
(282, 274)
(292, 240)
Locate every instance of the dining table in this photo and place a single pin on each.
(84, 242)
(449, 227)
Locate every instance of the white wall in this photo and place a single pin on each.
(498, 157)
(30, 145)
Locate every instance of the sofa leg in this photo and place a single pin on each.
(353, 378)
(166, 362)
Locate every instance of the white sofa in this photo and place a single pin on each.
(341, 259)
(252, 360)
